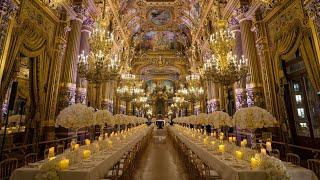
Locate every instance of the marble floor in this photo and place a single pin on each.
(160, 161)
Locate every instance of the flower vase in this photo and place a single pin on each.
(253, 139)
(101, 130)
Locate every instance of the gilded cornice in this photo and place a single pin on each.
(119, 23)
(202, 20)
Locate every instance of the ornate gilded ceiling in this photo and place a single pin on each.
(160, 32)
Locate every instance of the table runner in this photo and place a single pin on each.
(93, 170)
(227, 172)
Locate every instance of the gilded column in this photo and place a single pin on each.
(254, 89)
(240, 87)
(67, 90)
(271, 102)
(81, 92)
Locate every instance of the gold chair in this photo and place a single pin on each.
(275, 153)
(7, 167)
(60, 149)
(30, 158)
(314, 165)
(293, 158)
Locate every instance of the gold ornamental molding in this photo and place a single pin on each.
(202, 20)
(120, 25)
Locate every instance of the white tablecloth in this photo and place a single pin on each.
(93, 170)
(228, 172)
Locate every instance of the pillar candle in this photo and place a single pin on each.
(76, 147)
(254, 163)
(263, 151)
(64, 164)
(230, 139)
(239, 154)
(221, 148)
(87, 142)
(86, 154)
(268, 146)
(51, 152)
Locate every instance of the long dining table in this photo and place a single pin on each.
(93, 169)
(227, 166)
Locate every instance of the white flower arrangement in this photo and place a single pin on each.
(120, 119)
(202, 119)
(219, 119)
(254, 117)
(103, 116)
(274, 168)
(76, 116)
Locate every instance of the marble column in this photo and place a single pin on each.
(254, 88)
(81, 92)
(67, 89)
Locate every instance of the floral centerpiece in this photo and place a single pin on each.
(76, 116)
(275, 168)
(120, 119)
(102, 117)
(202, 119)
(219, 119)
(253, 118)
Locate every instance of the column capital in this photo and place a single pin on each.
(312, 8)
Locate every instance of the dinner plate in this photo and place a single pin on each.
(238, 166)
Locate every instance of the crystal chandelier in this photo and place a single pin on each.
(224, 67)
(100, 65)
(129, 88)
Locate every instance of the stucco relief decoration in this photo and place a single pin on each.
(287, 18)
(33, 14)
(313, 10)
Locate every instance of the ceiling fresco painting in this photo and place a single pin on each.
(158, 26)
(159, 16)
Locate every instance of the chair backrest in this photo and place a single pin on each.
(275, 153)
(7, 167)
(314, 165)
(60, 149)
(293, 158)
(45, 153)
(30, 158)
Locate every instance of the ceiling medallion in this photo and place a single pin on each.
(159, 17)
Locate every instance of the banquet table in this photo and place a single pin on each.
(95, 168)
(227, 168)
